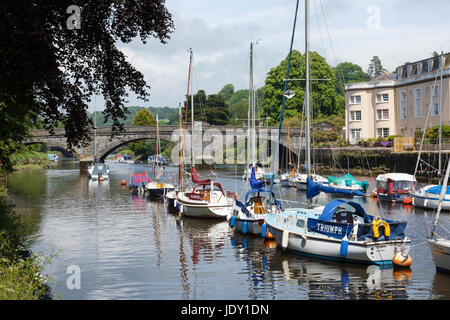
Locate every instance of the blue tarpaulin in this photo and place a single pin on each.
(255, 183)
(437, 190)
(314, 188)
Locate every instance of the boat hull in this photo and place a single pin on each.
(254, 227)
(430, 201)
(401, 198)
(440, 250)
(329, 249)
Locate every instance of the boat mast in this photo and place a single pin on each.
(251, 114)
(441, 60)
(307, 91)
(157, 147)
(95, 129)
(192, 115)
(180, 152)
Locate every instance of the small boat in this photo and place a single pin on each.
(127, 158)
(98, 171)
(206, 200)
(248, 217)
(346, 183)
(439, 245)
(302, 178)
(428, 197)
(138, 181)
(118, 158)
(395, 187)
(158, 187)
(340, 231)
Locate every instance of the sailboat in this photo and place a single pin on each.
(440, 246)
(341, 230)
(248, 217)
(428, 196)
(97, 171)
(251, 130)
(171, 196)
(158, 187)
(347, 183)
(207, 198)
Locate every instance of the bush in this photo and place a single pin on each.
(20, 271)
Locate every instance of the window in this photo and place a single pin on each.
(355, 135)
(355, 115)
(355, 99)
(418, 102)
(382, 114)
(383, 97)
(383, 132)
(425, 66)
(435, 100)
(403, 107)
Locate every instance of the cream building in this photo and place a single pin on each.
(398, 104)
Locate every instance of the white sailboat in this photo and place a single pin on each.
(248, 217)
(251, 130)
(158, 187)
(97, 171)
(341, 230)
(207, 198)
(439, 245)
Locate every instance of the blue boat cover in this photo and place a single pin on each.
(330, 209)
(437, 190)
(314, 188)
(255, 183)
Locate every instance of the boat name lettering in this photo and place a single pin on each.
(321, 227)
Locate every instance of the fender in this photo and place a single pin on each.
(376, 224)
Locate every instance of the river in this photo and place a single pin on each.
(128, 247)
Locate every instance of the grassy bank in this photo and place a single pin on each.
(20, 270)
(31, 156)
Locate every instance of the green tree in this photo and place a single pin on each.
(323, 94)
(347, 72)
(51, 67)
(143, 118)
(217, 110)
(145, 147)
(375, 67)
(227, 91)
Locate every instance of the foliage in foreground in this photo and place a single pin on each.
(20, 272)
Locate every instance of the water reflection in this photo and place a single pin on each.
(131, 247)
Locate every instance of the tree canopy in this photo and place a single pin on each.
(323, 94)
(375, 67)
(51, 70)
(347, 72)
(144, 118)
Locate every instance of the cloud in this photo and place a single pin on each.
(220, 32)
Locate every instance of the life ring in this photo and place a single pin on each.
(376, 224)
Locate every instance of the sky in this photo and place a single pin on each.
(220, 31)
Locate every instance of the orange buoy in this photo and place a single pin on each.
(407, 200)
(402, 260)
(101, 179)
(374, 195)
(123, 182)
(268, 234)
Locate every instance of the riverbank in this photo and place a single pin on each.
(21, 275)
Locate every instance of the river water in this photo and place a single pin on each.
(128, 247)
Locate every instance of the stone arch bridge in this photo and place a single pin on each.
(212, 138)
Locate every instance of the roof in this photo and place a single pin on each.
(396, 177)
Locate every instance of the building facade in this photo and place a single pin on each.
(401, 103)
